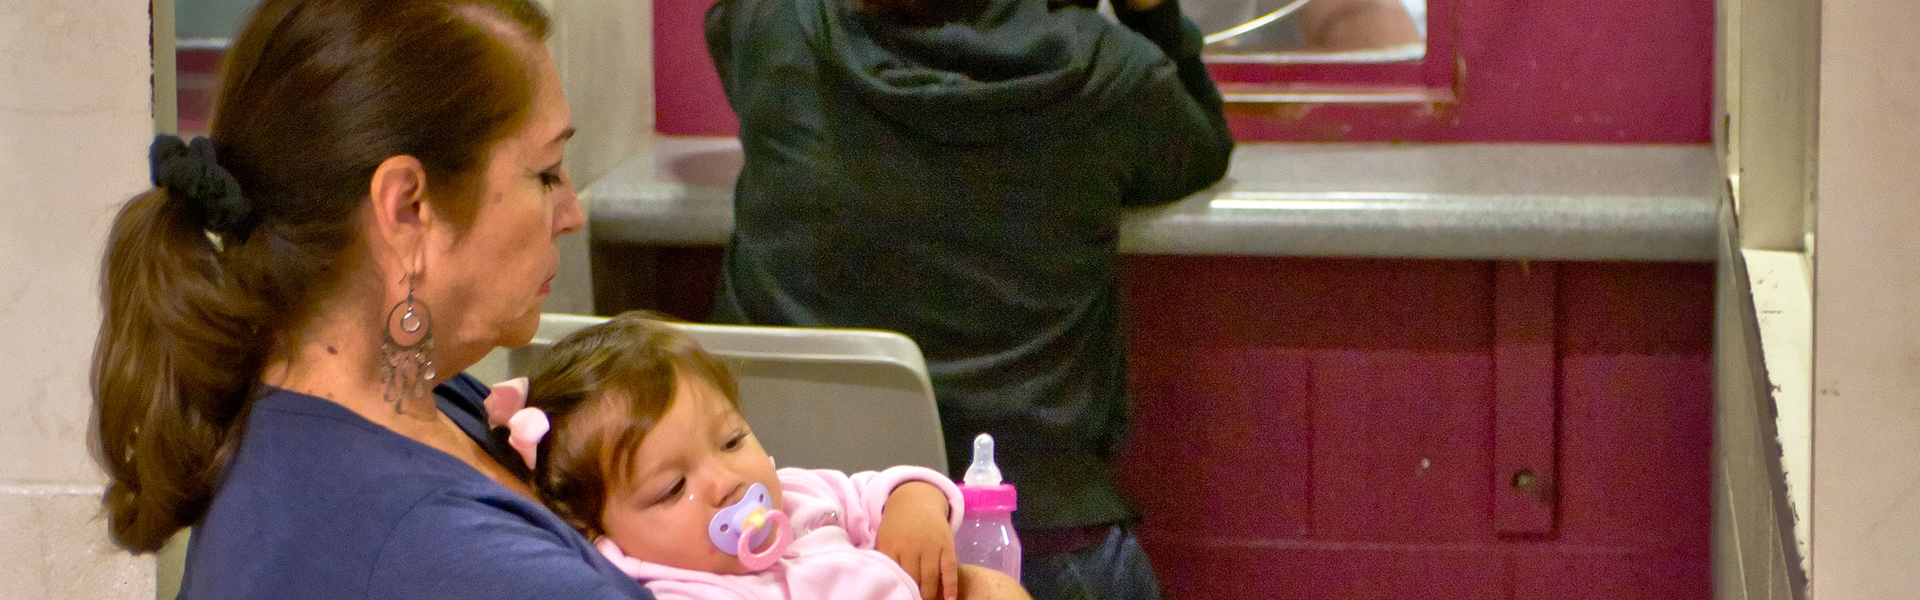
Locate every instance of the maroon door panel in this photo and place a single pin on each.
(1418, 389)
(1524, 402)
(1400, 446)
(1262, 402)
(1637, 406)
(1286, 571)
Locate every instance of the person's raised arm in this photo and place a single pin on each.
(1161, 22)
(720, 32)
(1180, 119)
(735, 30)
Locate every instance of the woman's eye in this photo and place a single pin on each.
(550, 179)
(735, 442)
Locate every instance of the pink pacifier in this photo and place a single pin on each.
(738, 529)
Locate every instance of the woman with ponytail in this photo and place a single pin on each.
(956, 170)
(286, 312)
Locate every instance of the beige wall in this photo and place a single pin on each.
(1768, 84)
(604, 49)
(1866, 486)
(74, 125)
(1751, 523)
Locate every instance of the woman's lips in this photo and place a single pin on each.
(547, 286)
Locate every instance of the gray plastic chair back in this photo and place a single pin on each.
(846, 399)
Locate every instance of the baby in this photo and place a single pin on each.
(648, 456)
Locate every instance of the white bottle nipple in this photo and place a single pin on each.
(983, 472)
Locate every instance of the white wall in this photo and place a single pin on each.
(74, 126)
(1866, 457)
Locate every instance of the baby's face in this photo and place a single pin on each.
(699, 458)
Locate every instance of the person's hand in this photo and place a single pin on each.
(1135, 5)
(915, 532)
(981, 583)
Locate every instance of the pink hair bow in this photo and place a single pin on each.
(507, 407)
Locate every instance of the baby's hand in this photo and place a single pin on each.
(915, 532)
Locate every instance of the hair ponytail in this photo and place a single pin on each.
(177, 355)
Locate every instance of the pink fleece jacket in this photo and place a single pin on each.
(835, 518)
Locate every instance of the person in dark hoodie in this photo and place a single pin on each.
(956, 170)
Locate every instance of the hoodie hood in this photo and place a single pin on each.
(1014, 68)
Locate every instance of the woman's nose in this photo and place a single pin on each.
(568, 215)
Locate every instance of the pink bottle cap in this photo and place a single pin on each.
(994, 498)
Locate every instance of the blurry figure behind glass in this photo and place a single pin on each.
(1318, 31)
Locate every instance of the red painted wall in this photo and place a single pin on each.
(1616, 71)
(198, 75)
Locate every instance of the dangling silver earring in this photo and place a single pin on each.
(406, 350)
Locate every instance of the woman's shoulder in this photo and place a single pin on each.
(453, 538)
(307, 457)
(297, 441)
(400, 537)
(314, 484)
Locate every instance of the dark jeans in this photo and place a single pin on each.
(1114, 569)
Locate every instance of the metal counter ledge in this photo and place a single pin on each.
(1451, 201)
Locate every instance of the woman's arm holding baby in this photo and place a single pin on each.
(981, 583)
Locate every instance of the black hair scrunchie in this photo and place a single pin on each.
(191, 172)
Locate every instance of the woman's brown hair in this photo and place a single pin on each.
(313, 96)
(603, 388)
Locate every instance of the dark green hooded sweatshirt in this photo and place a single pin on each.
(962, 183)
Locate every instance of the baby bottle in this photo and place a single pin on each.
(986, 537)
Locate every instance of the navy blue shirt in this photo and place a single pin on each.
(321, 503)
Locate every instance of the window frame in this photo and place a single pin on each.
(1564, 71)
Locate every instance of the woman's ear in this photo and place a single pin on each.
(398, 191)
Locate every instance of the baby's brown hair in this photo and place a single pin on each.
(603, 388)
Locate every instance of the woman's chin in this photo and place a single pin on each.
(520, 331)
